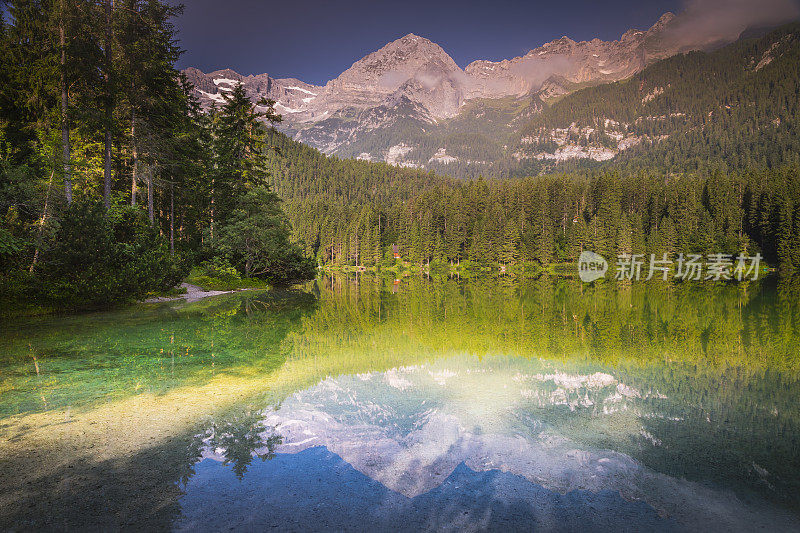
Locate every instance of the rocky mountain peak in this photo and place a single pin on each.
(662, 22)
(413, 65)
(405, 55)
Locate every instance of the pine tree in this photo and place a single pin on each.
(510, 252)
(239, 148)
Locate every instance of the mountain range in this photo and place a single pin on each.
(410, 104)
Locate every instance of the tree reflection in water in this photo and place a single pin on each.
(237, 438)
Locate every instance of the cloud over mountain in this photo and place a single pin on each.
(724, 20)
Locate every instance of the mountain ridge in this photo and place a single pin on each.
(401, 103)
(415, 62)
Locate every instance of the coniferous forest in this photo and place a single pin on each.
(114, 183)
(351, 212)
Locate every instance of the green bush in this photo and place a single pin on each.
(10, 249)
(221, 269)
(98, 259)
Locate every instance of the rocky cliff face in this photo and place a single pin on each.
(561, 64)
(411, 88)
(292, 95)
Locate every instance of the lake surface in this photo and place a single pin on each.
(362, 403)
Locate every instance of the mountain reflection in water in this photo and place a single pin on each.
(466, 444)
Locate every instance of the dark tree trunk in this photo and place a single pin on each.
(172, 220)
(134, 155)
(65, 148)
(212, 210)
(150, 195)
(109, 109)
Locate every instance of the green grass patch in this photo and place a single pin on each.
(211, 283)
(175, 291)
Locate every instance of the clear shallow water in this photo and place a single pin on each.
(359, 404)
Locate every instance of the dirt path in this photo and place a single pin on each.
(193, 293)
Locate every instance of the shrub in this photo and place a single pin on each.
(10, 250)
(99, 259)
(221, 269)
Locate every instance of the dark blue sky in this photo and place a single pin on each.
(315, 41)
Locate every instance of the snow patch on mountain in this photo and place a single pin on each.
(652, 95)
(214, 96)
(286, 109)
(294, 88)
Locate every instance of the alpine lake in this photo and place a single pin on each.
(362, 403)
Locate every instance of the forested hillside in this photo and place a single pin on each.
(351, 212)
(734, 108)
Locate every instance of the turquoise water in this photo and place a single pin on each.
(362, 403)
